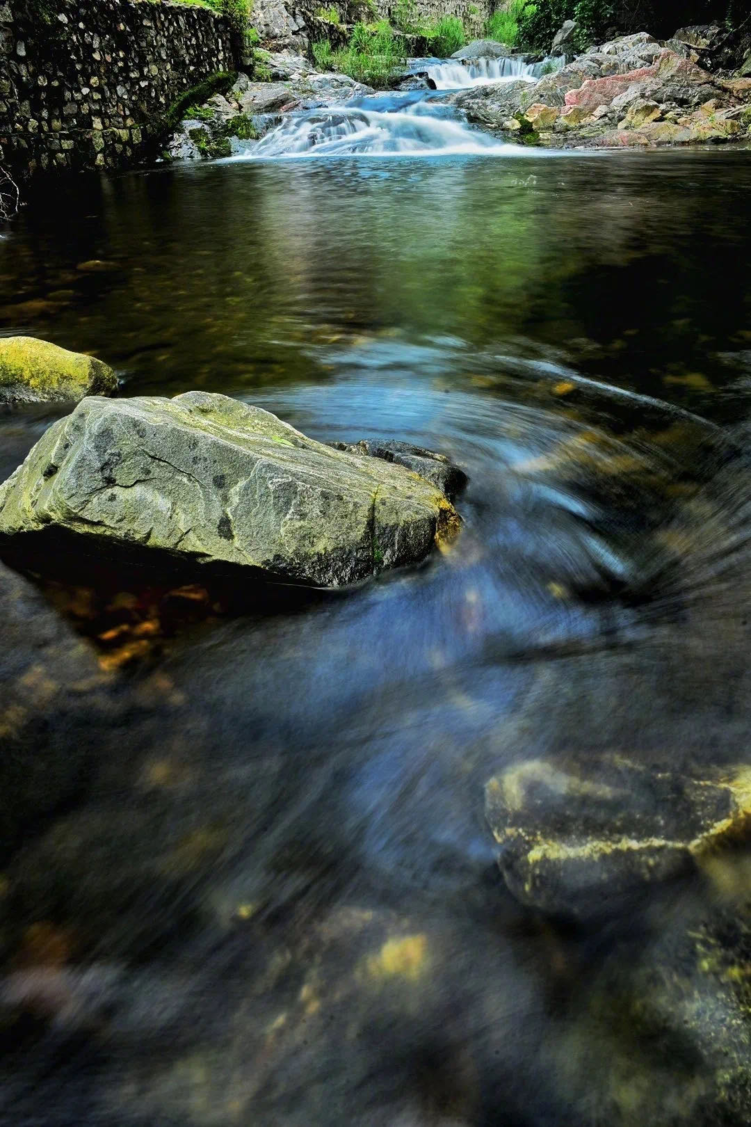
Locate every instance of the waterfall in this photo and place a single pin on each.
(417, 130)
(480, 72)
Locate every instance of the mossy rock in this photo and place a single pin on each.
(212, 148)
(36, 371)
(241, 127)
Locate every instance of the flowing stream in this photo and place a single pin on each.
(400, 127)
(417, 123)
(273, 898)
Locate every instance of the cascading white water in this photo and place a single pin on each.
(417, 130)
(413, 123)
(482, 72)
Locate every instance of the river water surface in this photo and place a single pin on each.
(279, 897)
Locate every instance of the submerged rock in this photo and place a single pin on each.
(35, 371)
(578, 837)
(214, 481)
(50, 687)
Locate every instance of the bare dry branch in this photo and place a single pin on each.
(9, 195)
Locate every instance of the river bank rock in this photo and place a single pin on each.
(631, 92)
(580, 837)
(35, 371)
(211, 480)
(564, 38)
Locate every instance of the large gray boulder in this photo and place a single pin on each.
(265, 97)
(482, 49)
(493, 105)
(212, 480)
(564, 39)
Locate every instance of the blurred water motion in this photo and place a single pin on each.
(274, 897)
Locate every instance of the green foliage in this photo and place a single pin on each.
(252, 38)
(261, 71)
(331, 15)
(199, 113)
(236, 11)
(504, 24)
(209, 147)
(597, 20)
(323, 55)
(241, 127)
(375, 54)
(446, 37)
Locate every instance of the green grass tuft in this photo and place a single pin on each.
(504, 25)
(446, 36)
(375, 55)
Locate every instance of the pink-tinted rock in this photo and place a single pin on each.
(668, 67)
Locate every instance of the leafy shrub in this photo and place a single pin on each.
(374, 55)
(446, 37)
(597, 20)
(241, 127)
(199, 113)
(504, 25)
(323, 55)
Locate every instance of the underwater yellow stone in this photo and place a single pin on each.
(400, 958)
(576, 831)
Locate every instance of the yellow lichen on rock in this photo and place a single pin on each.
(35, 371)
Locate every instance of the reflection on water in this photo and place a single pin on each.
(276, 899)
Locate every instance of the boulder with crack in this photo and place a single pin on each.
(211, 480)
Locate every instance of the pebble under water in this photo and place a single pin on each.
(273, 897)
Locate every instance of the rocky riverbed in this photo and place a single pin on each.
(460, 843)
(633, 92)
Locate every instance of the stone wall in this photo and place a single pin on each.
(287, 23)
(84, 83)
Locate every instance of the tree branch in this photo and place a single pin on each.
(9, 195)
